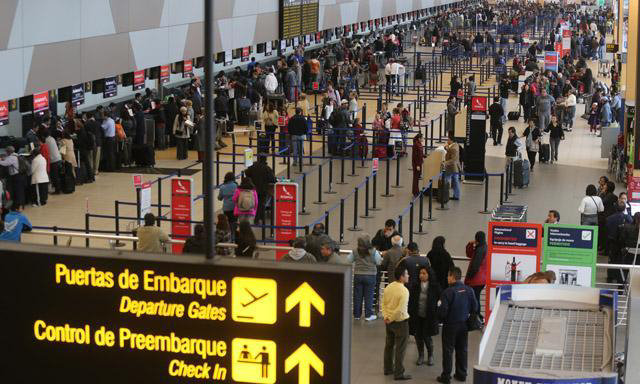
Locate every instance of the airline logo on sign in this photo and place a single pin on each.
(164, 74)
(479, 104)
(138, 80)
(4, 113)
(245, 54)
(187, 69)
(40, 102)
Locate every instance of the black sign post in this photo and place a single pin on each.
(475, 147)
(118, 317)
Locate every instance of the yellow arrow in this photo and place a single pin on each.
(304, 358)
(305, 296)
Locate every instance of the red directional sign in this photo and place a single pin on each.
(478, 104)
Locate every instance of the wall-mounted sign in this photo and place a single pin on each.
(40, 103)
(228, 58)
(298, 17)
(571, 252)
(138, 80)
(187, 68)
(135, 318)
(165, 73)
(245, 54)
(110, 87)
(268, 48)
(77, 94)
(4, 113)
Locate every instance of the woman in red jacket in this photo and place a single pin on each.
(476, 276)
(417, 159)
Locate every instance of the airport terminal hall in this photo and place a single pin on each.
(319, 191)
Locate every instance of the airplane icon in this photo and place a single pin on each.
(255, 298)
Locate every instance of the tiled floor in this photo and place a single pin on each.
(559, 186)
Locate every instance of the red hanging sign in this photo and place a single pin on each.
(187, 68)
(316, 86)
(164, 73)
(286, 214)
(181, 210)
(137, 180)
(40, 102)
(138, 80)
(4, 113)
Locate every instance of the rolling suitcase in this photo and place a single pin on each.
(443, 191)
(144, 155)
(363, 146)
(513, 115)
(263, 143)
(67, 177)
(521, 169)
(545, 152)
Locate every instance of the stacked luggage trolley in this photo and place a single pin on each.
(510, 212)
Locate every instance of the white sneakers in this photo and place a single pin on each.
(370, 318)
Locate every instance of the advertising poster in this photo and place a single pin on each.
(571, 252)
(245, 54)
(478, 104)
(40, 103)
(110, 87)
(4, 113)
(165, 73)
(286, 214)
(248, 157)
(181, 210)
(138, 80)
(77, 94)
(514, 254)
(551, 61)
(633, 189)
(187, 69)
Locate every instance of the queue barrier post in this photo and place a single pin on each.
(55, 238)
(342, 242)
(502, 188)
(430, 216)
(388, 175)
(319, 201)
(159, 200)
(366, 199)
(411, 221)
(116, 212)
(355, 227)
(341, 182)
(330, 191)
(303, 211)
(218, 168)
(288, 160)
(486, 194)
(420, 230)
(397, 185)
(354, 149)
(375, 191)
(326, 221)
(87, 230)
(233, 156)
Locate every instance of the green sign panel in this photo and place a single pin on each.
(571, 252)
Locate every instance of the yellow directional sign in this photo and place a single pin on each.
(304, 358)
(306, 297)
(254, 300)
(253, 361)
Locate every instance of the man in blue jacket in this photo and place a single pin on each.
(456, 304)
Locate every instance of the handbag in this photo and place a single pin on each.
(473, 322)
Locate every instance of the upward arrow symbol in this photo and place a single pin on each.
(306, 297)
(304, 358)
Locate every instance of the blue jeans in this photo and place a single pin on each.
(363, 287)
(298, 143)
(503, 104)
(454, 182)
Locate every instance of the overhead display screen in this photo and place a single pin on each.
(115, 317)
(298, 17)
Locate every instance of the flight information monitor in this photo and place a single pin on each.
(298, 17)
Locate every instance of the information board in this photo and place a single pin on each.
(286, 214)
(298, 18)
(514, 254)
(138, 80)
(110, 87)
(165, 73)
(145, 200)
(40, 103)
(181, 209)
(4, 113)
(103, 316)
(571, 251)
(551, 61)
(187, 69)
(77, 94)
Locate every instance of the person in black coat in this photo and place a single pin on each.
(423, 304)
(263, 177)
(441, 261)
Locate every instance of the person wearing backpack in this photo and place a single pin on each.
(246, 200)
(18, 172)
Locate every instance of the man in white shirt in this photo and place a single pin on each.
(395, 71)
(387, 75)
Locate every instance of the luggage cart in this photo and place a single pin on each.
(510, 212)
